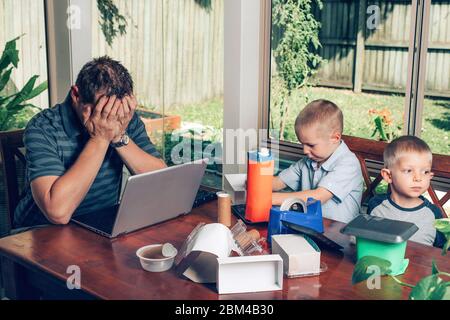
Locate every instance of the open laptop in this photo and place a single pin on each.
(148, 199)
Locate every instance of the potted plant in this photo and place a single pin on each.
(155, 121)
(432, 287)
(15, 110)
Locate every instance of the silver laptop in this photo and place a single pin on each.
(148, 199)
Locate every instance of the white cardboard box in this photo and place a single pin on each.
(301, 257)
(249, 274)
(234, 184)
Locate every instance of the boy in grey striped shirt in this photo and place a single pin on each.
(407, 169)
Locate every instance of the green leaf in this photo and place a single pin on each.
(434, 269)
(5, 78)
(380, 128)
(446, 247)
(10, 54)
(443, 226)
(447, 294)
(429, 288)
(37, 91)
(23, 94)
(360, 272)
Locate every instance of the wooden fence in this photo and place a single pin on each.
(383, 58)
(173, 49)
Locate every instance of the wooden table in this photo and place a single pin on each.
(111, 270)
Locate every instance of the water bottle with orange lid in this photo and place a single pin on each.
(260, 171)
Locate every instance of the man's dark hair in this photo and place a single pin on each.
(103, 75)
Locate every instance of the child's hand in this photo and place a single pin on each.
(278, 198)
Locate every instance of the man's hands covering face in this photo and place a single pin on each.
(109, 119)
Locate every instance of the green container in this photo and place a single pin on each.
(392, 252)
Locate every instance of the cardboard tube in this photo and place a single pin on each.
(224, 208)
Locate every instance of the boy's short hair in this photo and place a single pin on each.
(401, 145)
(323, 112)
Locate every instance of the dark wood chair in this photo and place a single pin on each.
(372, 151)
(10, 144)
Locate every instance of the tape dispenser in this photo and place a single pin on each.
(295, 211)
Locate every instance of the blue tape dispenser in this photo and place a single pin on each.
(295, 211)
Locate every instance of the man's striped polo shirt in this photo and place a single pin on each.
(53, 140)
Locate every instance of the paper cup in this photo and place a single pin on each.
(153, 260)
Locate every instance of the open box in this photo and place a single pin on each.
(206, 258)
(249, 274)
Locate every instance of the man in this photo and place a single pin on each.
(75, 151)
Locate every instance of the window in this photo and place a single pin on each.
(174, 51)
(384, 62)
(435, 128)
(356, 54)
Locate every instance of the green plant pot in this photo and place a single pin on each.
(392, 252)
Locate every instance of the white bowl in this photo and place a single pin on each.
(152, 260)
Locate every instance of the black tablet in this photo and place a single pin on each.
(322, 241)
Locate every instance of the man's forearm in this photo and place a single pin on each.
(69, 190)
(137, 160)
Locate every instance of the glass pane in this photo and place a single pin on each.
(436, 112)
(174, 51)
(24, 19)
(366, 84)
(140, 50)
(193, 83)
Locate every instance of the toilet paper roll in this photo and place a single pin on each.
(290, 202)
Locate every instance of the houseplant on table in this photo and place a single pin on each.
(432, 287)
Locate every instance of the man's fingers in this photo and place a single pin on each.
(126, 106)
(120, 113)
(113, 113)
(107, 109)
(99, 107)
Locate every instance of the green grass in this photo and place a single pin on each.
(208, 113)
(358, 122)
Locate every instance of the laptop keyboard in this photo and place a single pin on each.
(204, 196)
(102, 220)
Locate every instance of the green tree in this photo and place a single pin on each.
(111, 21)
(295, 41)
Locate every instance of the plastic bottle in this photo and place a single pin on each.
(260, 171)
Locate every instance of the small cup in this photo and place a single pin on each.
(153, 260)
(224, 208)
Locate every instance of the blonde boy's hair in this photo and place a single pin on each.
(322, 112)
(402, 145)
